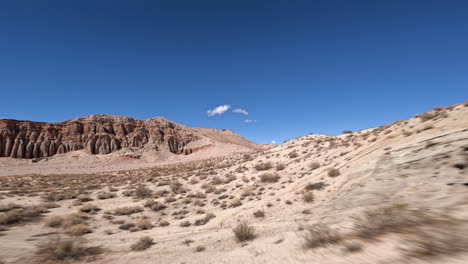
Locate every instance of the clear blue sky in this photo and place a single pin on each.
(295, 66)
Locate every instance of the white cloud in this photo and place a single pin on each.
(249, 121)
(240, 111)
(273, 142)
(218, 110)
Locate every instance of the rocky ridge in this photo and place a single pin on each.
(96, 134)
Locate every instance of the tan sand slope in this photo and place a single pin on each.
(393, 194)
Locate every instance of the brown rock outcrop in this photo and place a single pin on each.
(96, 134)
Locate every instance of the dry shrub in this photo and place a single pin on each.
(142, 244)
(236, 202)
(200, 249)
(204, 220)
(128, 210)
(90, 209)
(54, 221)
(58, 196)
(308, 197)
(142, 192)
(293, 154)
(164, 223)
(144, 224)
(445, 240)
(269, 177)
(263, 166)
(78, 230)
(280, 166)
(320, 235)
(155, 205)
(185, 224)
(315, 186)
(332, 172)
(105, 195)
(51, 205)
(126, 226)
(84, 198)
(65, 249)
(73, 219)
(314, 165)
(9, 207)
(427, 233)
(259, 213)
(244, 231)
(22, 215)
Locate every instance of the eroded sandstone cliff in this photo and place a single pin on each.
(97, 134)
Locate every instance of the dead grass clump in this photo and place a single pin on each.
(73, 219)
(65, 249)
(314, 165)
(144, 224)
(398, 218)
(84, 198)
(128, 210)
(54, 221)
(436, 241)
(262, 166)
(244, 231)
(320, 235)
(315, 186)
(142, 192)
(155, 205)
(269, 177)
(236, 203)
(58, 196)
(106, 195)
(332, 172)
(204, 220)
(293, 154)
(164, 223)
(259, 213)
(9, 207)
(280, 166)
(126, 226)
(90, 209)
(142, 244)
(78, 230)
(22, 215)
(50, 205)
(308, 197)
(185, 224)
(200, 249)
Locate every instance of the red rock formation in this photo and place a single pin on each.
(97, 134)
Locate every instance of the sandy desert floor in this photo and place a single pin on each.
(392, 194)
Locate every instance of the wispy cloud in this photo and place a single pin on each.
(218, 110)
(240, 111)
(273, 142)
(249, 121)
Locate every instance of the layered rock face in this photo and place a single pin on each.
(97, 134)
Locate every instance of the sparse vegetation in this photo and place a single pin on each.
(332, 172)
(142, 192)
(308, 197)
(58, 250)
(320, 235)
(315, 186)
(269, 177)
(106, 195)
(263, 166)
(244, 231)
(314, 165)
(128, 210)
(142, 244)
